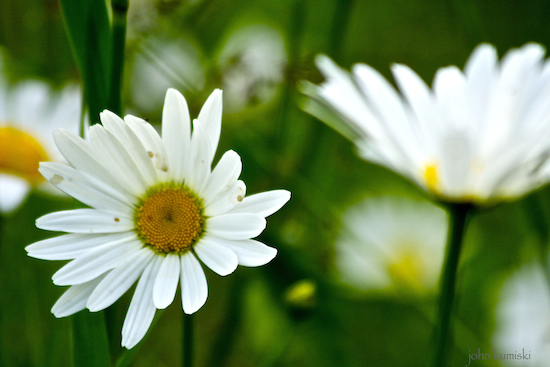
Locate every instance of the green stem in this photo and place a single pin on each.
(339, 26)
(120, 9)
(187, 340)
(457, 225)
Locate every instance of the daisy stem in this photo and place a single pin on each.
(120, 9)
(187, 340)
(457, 225)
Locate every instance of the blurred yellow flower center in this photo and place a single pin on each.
(431, 177)
(170, 220)
(20, 154)
(407, 269)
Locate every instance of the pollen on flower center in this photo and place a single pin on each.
(20, 154)
(170, 220)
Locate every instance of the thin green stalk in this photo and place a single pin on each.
(457, 225)
(187, 340)
(339, 26)
(120, 10)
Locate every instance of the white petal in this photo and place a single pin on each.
(151, 142)
(131, 142)
(342, 94)
(114, 156)
(250, 252)
(75, 298)
(218, 258)
(13, 190)
(84, 187)
(176, 132)
(119, 280)
(201, 158)
(226, 200)
(115, 125)
(421, 102)
(166, 282)
(82, 157)
(70, 246)
(95, 262)
(194, 289)
(264, 204)
(211, 118)
(387, 104)
(223, 175)
(85, 221)
(142, 310)
(236, 226)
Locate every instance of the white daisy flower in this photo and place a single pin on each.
(159, 64)
(29, 112)
(253, 62)
(157, 208)
(523, 318)
(391, 242)
(478, 135)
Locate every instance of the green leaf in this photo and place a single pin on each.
(89, 30)
(91, 347)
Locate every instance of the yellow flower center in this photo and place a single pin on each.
(20, 154)
(407, 269)
(170, 220)
(430, 174)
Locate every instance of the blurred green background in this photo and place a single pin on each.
(248, 319)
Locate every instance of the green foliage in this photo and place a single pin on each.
(89, 30)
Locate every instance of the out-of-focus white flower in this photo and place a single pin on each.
(29, 112)
(482, 134)
(523, 318)
(161, 64)
(157, 208)
(391, 242)
(252, 62)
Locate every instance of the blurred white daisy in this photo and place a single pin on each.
(157, 207)
(391, 243)
(478, 135)
(160, 64)
(523, 318)
(29, 112)
(252, 62)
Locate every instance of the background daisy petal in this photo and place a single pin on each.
(13, 190)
